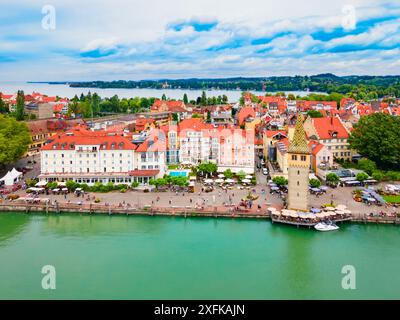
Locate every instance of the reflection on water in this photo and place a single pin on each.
(83, 226)
(12, 225)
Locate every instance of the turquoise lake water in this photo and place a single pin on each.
(119, 257)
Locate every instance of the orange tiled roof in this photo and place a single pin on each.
(326, 127)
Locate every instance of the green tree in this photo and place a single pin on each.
(315, 114)
(185, 99)
(315, 183)
(203, 100)
(361, 176)
(228, 174)
(3, 106)
(280, 181)
(20, 109)
(332, 179)
(367, 165)
(14, 139)
(376, 137)
(207, 168)
(95, 103)
(158, 182)
(175, 117)
(164, 97)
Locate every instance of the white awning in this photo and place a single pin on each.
(11, 177)
(41, 183)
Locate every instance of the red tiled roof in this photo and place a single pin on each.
(172, 106)
(195, 124)
(304, 105)
(244, 113)
(58, 107)
(325, 127)
(315, 147)
(104, 139)
(272, 133)
(144, 173)
(151, 144)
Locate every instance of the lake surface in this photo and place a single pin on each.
(66, 91)
(119, 257)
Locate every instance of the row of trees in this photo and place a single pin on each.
(93, 105)
(14, 139)
(203, 100)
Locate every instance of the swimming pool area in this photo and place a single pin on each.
(179, 173)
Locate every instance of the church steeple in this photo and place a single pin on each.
(299, 156)
(299, 143)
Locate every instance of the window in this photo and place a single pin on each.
(294, 157)
(303, 158)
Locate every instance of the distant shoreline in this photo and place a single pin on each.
(371, 86)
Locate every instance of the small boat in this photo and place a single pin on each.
(324, 226)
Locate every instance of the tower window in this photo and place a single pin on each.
(298, 183)
(294, 157)
(298, 172)
(303, 158)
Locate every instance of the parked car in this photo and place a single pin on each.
(265, 171)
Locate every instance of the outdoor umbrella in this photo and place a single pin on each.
(246, 181)
(230, 181)
(285, 213)
(219, 180)
(208, 181)
(248, 176)
(221, 175)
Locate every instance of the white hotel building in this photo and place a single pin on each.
(89, 157)
(86, 156)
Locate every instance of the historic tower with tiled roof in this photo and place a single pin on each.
(298, 168)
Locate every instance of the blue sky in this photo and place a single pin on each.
(152, 39)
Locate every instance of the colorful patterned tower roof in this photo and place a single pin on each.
(299, 143)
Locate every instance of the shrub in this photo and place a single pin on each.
(332, 179)
(51, 185)
(367, 165)
(393, 175)
(31, 182)
(377, 175)
(97, 200)
(280, 181)
(228, 174)
(135, 184)
(71, 185)
(315, 183)
(361, 176)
